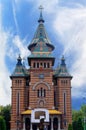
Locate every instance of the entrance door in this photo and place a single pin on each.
(34, 126)
(55, 123)
(27, 124)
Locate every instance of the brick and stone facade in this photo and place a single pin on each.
(41, 87)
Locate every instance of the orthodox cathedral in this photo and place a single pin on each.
(41, 95)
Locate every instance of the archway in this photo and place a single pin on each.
(55, 123)
(27, 124)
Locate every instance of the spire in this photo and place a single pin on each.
(41, 45)
(41, 17)
(63, 61)
(19, 61)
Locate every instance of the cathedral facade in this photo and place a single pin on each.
(41, 95)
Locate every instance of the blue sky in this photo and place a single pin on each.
(65, 22)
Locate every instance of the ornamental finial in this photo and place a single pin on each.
(19, 63)
(63, 61)
(41, 18)
(41, 8)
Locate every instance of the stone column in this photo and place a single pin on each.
(51, 123)
(23, 123)
(30, 126)
(59, 123)
(37, 128)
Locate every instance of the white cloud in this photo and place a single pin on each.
(7, 48)
(20, 44)
(4, 73)
(70, 25)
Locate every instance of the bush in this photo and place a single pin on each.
(2, 123)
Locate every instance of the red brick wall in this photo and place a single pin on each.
(17, 87)
(65, 87)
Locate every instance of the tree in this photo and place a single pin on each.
(2, 123)
(79, 124)
(6, 114)
(78, 117)
(75, 125)
(70, 127)
(76, 114)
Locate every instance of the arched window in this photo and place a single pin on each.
(64, 98)
(44, 65)
(34, 65)
(48, 65)
(41, 92)
(37, 65)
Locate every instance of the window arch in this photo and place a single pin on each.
(41, 92)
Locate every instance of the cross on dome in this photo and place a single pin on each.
(41, 8)
(41, 18)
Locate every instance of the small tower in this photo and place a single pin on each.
(18, 78)
(63, 92)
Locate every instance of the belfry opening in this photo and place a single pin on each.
(41, 95)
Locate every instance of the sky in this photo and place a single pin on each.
(65, 23)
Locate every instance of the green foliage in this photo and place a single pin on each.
(76, 115)
(79, 124)
(83, 110)
(2, 123)
(78, 118)
(70, 127)
(5, 113)
(75, 125)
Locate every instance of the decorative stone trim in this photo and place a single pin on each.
(41, 82)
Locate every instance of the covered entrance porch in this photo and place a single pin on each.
(47, 121)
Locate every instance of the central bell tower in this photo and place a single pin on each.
(41, 63)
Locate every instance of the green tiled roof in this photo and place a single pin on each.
(40, 45)
(61, 70)
(20, 70)
(40, 34)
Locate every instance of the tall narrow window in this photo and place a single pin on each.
(44, 65)
(34, 65)
(48, 65)
(18, 102)
(41, 64)
(37, 65)
(41, 92)
(64, 95)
